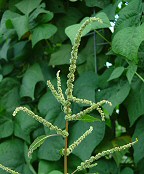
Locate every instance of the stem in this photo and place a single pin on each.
(65, 155)
(74, 171)
(139, 76)
(102, 37)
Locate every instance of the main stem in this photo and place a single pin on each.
(65, 155)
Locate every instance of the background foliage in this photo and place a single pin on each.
(35, 42)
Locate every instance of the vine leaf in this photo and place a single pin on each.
(38, 142)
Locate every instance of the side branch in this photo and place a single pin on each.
(88, 163)
(64, 133)
(55, 93)
(8, 169)
(74, 55)
(88, 110)
(77, 142)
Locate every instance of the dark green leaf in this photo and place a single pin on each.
(131, 71)
(27, 6)
(97, 3)
(24, 125)
(30, 79)
(38, 142)
(86, 147)
(50, 150)
(11, 153)
(105, 166)
(44, 31)
(85, 86)
(126, 42)
(117, 72)
(56, 117)
(138, 147)
(127, 170)
(116, 94)
(6, 126)
(62, 56)
(135, 101)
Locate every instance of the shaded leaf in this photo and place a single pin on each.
(127, 170)
(139, 148)
(105, 166)
(30, 79)
(135, 101)
(97, 3)
(117, 72)
(38, 142)
(44, 31)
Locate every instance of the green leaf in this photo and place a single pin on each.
(131, 71)
(10, 100)
(70, 16)
(30, 79)
(138, 147)
(105, 166)
(26, 6)
(88, 118)
(135, 101)
(50, 149)
(48, 166)
(117, 72)
(97, 3)
(38, 142)
(127, 170)
(44, 31)
(86, 147)
(129, 15)
(4, 49)
(56, 117)
(62, 56)
(6, 126)
(11, 153)
(6, 16)
(116, 94)
(21, 25)
(24, 125)
(126, 42)
(73, 29)
(85, 86)
(55, 172)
